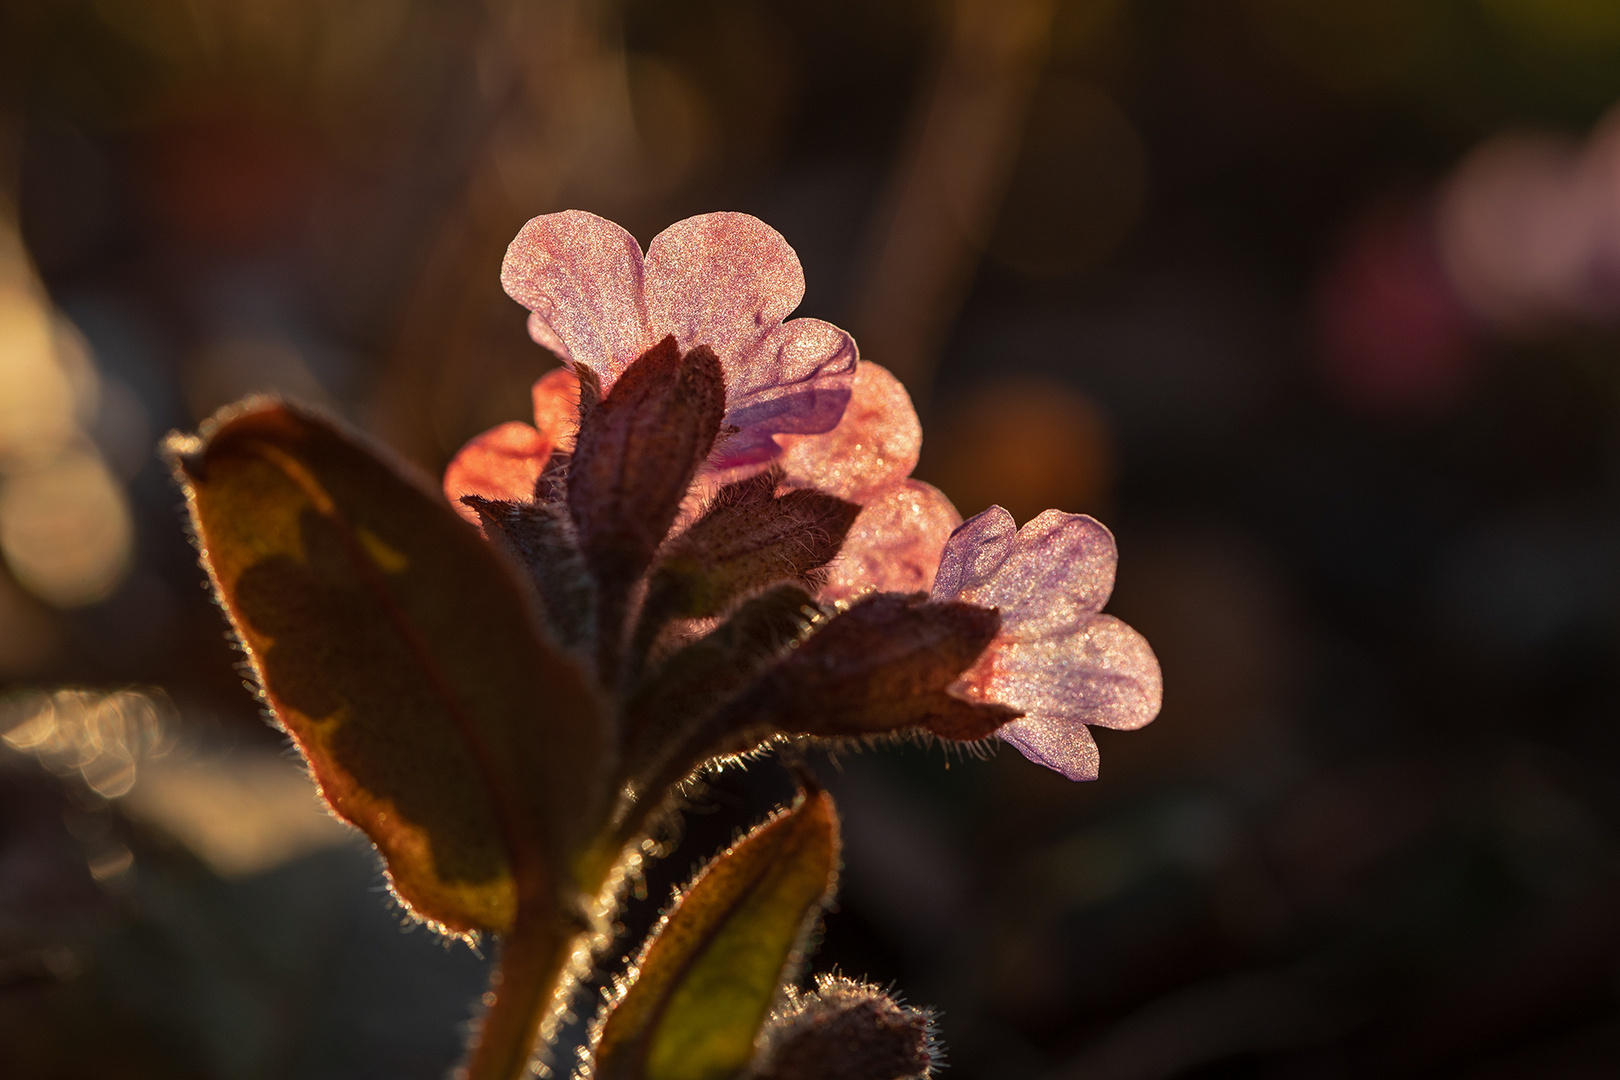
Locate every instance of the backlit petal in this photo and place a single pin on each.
(873, 447)
(1104, 673)
(1054, 572)
(1068, 749)
(581, 276)
(1055, 659)
(556, 406)
(895, 543)
(727, 281)
(721, 280)
(502, 463)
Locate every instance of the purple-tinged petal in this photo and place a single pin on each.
(800, 412)
(722, 280)
(1056, 659)
(814, 410)
(1101, 673)
(1055, 572)
(894, 544)
(873, 447)
(727, 281)
(798, 356)
(974, 552)
(1068, 749)
(581, 276)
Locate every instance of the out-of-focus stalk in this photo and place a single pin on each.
(948, 184)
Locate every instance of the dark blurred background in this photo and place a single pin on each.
(1313, 301)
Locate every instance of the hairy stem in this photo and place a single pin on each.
(533, 965)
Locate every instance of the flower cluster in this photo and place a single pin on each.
(821, 446)
(707, 542)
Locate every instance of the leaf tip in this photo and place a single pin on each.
(185, 452)
(180, 449)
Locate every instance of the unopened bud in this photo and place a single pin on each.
(850, 1031)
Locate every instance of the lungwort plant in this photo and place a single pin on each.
(708, 544)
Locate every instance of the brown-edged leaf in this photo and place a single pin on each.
(634, 460)
(707, 978)
(883, 665)
(400, 651)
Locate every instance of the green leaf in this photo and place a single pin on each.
(402, 653)
(712, 969)
(886, 664)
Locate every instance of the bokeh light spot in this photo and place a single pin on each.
(1392, 336)
(102, 737)
(65, 529)
(1028, 444)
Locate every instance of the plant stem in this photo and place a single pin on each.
(535, 955)
(534, 959)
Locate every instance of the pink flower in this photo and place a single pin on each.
(794, 390)
(1057, 659)
(505, 461)
(722, 280)
(797, 399)
(895, 544)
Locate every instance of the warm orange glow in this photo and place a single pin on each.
(1026, 444)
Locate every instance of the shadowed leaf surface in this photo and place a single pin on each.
(883, 665)
(669, 719)
(399, 650)
(539, 537)
(712, 970)
(635, 457)
(748, 538)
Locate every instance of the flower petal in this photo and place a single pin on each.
(803, 369)
(556, 406)
(873, 447)
(1068, 749)
(810, 408)
(581, 276)
(974, 552)
(1055, 572)
(1055, 660)
(502, 463)
(727, 281)
(1102, 673)
(894, 545)
(721, 280)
